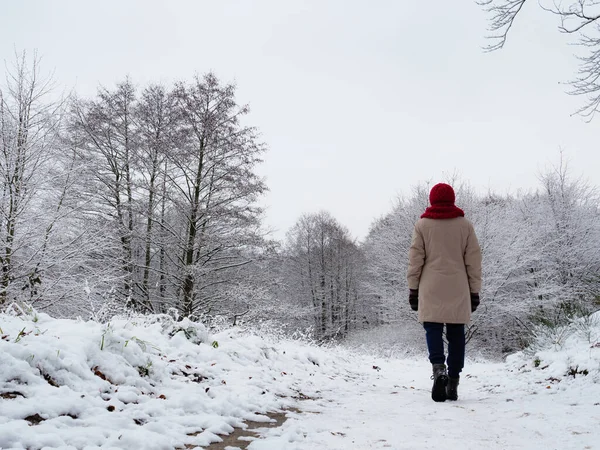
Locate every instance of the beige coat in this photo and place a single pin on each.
(444, 264)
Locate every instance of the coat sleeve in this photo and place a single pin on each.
(473, 261)
(416, 259)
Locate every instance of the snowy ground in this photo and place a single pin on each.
(496, 410)
(151, 383)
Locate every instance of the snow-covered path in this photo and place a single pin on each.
(151, 383)
(497, 409)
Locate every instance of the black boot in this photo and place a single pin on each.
(440, 380)
(452, 388)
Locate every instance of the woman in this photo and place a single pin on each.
(444, 278)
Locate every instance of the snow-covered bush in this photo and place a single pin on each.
(564, 352)
(389, 341)
(76, 383)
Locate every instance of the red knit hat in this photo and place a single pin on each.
(442, 193)
(442, 203)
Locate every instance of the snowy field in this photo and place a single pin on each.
(152, 383)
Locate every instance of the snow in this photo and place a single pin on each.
(153, 383)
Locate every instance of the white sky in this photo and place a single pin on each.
(357, 101)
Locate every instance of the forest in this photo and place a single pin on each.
(145, 199)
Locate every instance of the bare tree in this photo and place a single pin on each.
(170, 178)
(107, 139)
(322, 272)
(158, 124)
(216, 191)
(579, 18)
(30, 206)
(573, 222)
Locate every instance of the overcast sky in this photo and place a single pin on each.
(357, 101)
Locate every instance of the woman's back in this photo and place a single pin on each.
(445, 262)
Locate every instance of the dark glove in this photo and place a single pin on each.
(474, 301)
(413, 299)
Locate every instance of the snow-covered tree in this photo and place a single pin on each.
(215, 192)
(36, 176)
(106, 139)
(541, 256)
(321, 270)
(169, 179)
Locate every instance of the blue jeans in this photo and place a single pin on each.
(455, 333)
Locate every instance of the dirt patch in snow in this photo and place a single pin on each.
(241, 438)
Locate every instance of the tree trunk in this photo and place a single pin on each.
(188, 256)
